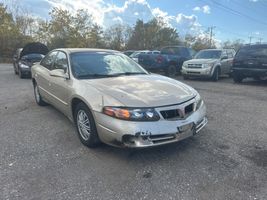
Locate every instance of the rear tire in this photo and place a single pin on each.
(171, 71)
(215, 75)
(15, 71)
(237, 78)
(85, 125)
(39, 100)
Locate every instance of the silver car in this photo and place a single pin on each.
(209, 63)
(111, 99)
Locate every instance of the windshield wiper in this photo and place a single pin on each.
(108, 75)
(94, 76)
(127, 73)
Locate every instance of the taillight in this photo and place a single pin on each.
(159, 59)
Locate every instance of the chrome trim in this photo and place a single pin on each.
(201, 124)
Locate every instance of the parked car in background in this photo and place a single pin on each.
(170, 60)
(128, 52)
(250, 61)
(135, 55)
(25, 57)
(112, 99)
(209, 63)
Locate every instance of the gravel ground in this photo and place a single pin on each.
(41, 156)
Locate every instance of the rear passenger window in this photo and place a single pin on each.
(224, 54)
(230, 54)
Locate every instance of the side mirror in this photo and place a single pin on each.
(224, 57)
(59, 73)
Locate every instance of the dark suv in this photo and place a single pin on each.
(170, 59)
(250, 61)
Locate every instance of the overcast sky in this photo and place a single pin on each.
(233, 19)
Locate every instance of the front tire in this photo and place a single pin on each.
(171, 71)
(21, 75)
(85, 125)
(39, 100)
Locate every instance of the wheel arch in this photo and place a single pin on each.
(77, 100)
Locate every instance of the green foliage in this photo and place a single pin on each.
(10, 35)
(235, 44)
(151, 35)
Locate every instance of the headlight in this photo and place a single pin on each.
(24, 66)
(184, 65)
(132, 114)
(199, 102)
(207, 65)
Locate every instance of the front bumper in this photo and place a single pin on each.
(197, 72)
(147, 134)
(26, 71)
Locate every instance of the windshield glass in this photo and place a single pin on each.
(170, 50)
(254, 52)
(103, 64)
(208, 54)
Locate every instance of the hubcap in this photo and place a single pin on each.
(36, 93)
(83, 124)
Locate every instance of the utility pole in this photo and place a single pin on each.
(260, 39)
(250, 38)
(211, 34)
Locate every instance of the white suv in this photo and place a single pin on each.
(210, 63)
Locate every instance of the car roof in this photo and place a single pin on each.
(78, 50)
(255, 45)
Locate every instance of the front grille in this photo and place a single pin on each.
(179, 113)
(194, 65)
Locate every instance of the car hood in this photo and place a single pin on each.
(34, 48)
(201, 61)
(143, 90)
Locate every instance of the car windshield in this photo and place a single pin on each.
(253, 52)
(33, 57)
(170, 50)
(103, 64)
(208, 54)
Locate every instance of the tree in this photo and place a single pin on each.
(153, 34)
(10, 35)
(117, 36)
(235, 44)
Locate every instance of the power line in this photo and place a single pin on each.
(211, 34)
(232, 11)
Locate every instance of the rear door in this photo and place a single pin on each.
(224, 62)
(229, 64)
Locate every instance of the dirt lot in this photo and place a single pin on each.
(41, 156)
